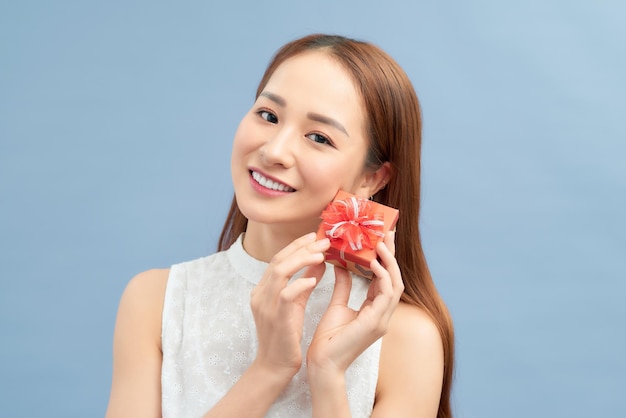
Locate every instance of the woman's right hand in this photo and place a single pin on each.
(278, 306)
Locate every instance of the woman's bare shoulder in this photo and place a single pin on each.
(135, 388)
(148, 283)
(143, 299)
(411, 365)
(146, 288)
(412, 323)
(413, 336)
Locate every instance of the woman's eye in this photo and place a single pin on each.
(320, 139)
(268, 116)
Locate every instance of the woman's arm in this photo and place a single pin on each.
(136, 385)
(278, 308)
(410, 372)
(343, 333)
(411, 367)
(137, 357)
(411, 363)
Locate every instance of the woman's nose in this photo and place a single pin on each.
(279, 149)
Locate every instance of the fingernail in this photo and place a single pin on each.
(323, 242)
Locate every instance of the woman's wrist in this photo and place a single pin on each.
(253, 394)
(278, 377)
(328, 393)
(325, 378)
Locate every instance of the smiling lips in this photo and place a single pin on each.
(270, 184)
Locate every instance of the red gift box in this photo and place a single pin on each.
(354, 226)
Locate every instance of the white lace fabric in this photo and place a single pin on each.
(209, 338)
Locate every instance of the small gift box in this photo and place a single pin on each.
(354, 226)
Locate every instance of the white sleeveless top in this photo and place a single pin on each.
(209, 337)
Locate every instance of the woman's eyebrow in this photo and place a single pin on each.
(280, 101)
(275, 98)
(327, 121)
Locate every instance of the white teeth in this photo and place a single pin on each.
(265, 182)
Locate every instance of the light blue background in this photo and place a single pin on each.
(116, 120)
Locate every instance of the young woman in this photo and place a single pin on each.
(264, 327)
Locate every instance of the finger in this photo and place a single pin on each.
(295, 290)
(294, 245)
(385, 299)
(382, 281)
(300, 289)
(287, 263)
(390, 264)
(316, 272)
(343, 286)
(386, 251)
(390, 241)
(303, 252)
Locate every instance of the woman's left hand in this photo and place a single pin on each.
(343, 333)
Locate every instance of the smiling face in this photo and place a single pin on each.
(302, 140)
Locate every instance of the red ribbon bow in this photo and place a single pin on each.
(354, 221)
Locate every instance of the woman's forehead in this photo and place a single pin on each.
(316, 78)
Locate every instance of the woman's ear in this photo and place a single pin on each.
(375, 181)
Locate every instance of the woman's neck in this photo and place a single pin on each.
(263, 241)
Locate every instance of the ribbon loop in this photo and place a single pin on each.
(353, 221)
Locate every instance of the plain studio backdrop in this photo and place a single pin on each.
(116, 122)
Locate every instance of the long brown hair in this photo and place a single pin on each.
(394, 128)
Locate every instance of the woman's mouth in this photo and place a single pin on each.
(270, 184)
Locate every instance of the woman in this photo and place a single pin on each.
(263, 328)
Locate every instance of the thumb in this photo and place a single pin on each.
(343, 285)
(316, 272)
